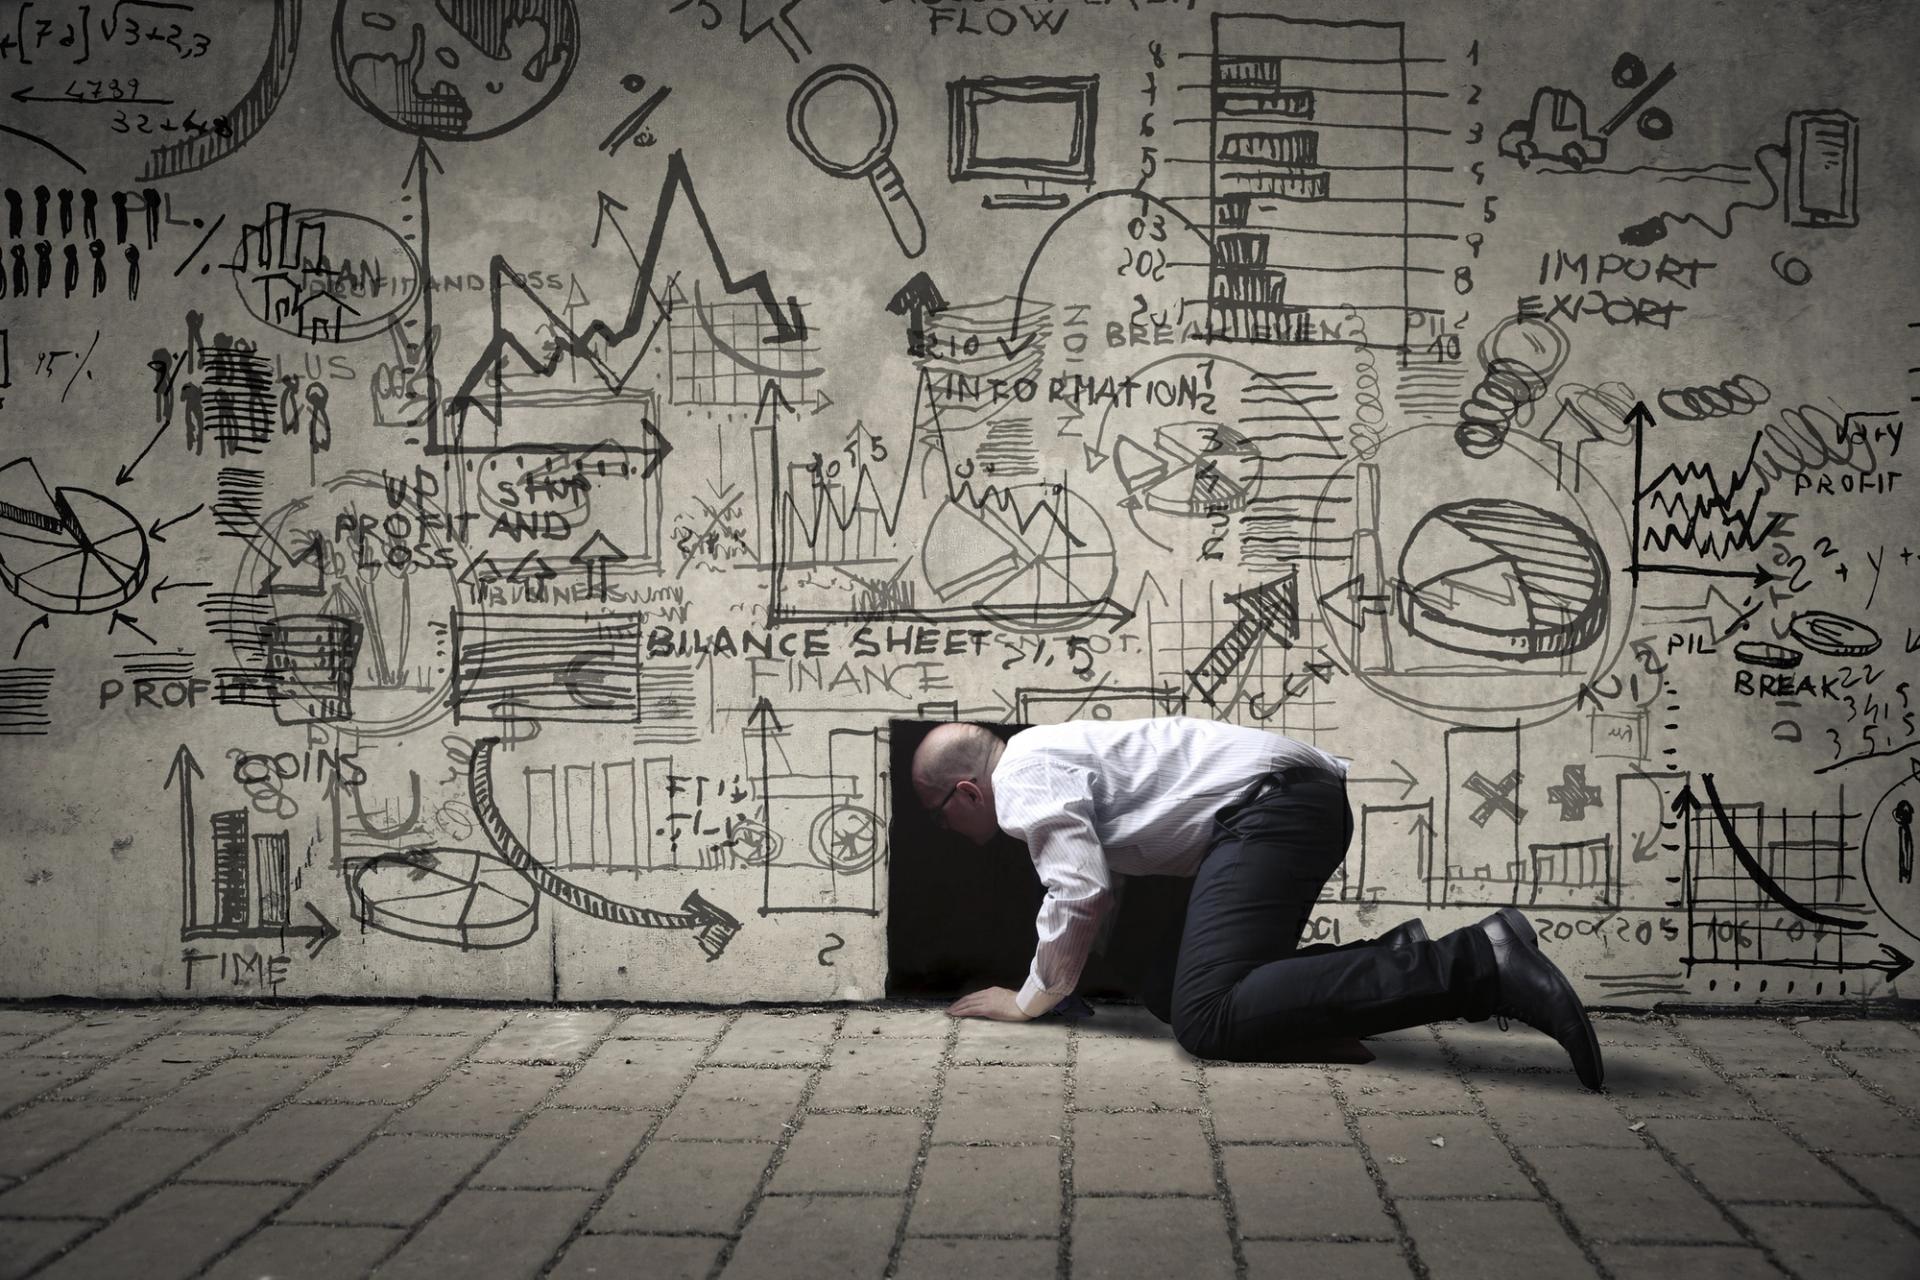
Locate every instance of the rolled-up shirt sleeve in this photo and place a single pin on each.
(1050, 806)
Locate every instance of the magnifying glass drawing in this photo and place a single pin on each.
(876, 164)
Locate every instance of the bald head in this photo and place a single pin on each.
(952, 752)
(953, 776)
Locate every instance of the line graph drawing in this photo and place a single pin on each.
(612, 353)
(1030, 557)
(1764, 887)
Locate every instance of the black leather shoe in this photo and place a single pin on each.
(1401, 934)
(1534, 991)
(1516, 923)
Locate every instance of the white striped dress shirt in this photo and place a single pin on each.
(1093, 798)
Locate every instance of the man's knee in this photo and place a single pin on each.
(1197, 1029)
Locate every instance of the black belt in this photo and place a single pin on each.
(1293, 773)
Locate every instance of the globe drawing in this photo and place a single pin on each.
(454, 70)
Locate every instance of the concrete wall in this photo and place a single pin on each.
(477, 497)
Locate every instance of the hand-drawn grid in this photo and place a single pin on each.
(723, 353)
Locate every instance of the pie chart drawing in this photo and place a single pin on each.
(67, 550)
(1021, 554)
(1502, 579)
(464, 898)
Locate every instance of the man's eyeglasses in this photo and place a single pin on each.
(938, 812)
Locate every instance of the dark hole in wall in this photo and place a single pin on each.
(960, 916)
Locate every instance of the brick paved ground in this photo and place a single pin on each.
(237, 1141)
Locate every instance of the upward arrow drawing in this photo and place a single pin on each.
(416, 177)
(595, 557)
(185, 768)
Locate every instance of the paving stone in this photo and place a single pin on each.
(566, 1149)
(1860, 1244)
(25, 1245)
(48, 1130)
(1140, 1153)
(1654, 1033)
(1469, 1239)
(395, 1180)
(1122, 1022)
(105, 1174)
(775, 1040)
(685, 1186)
(626, 1257)
(1756, 1047)
(930, 1024)
(308, 1253)
(102, 1035)
(479, 1097)
(34, 1022)
(984, 1040)
(14, 1044)
(1008, 1191)
(1114, 1072)
(1471, 1163)
(239, 1018)
(430, 1021)
(294, 1144)
(547, 1036)
(1274, 1104)
(831, 1237)
(388, 1068)
(879, 1071)
(668, 1025)
(850, 1153)
(23, 1077)
(1895, 1074)
(1749, 1160)
(1406, 1077)
(1895, 1179)
(1837, 1115)
(1002, 1104)
(1670, 1082)
(968, 1259)
(1124, 1238)
(327, 1032)
(1483, 1047)
(159, 1066)
(1302, 1191)
(1296, 1259)
(174, 1233)
(1860, 1033)
(232, 1094)
(490, 1234)
(1695, 1262)
(1550, 1111)
(736, 1102)
(1627, 1195)
(631, 1073)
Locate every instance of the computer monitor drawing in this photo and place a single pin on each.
(1035, 129)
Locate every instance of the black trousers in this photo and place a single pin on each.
(1236, 984)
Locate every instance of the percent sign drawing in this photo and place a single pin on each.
(1631, 73)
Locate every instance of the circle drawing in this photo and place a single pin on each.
(846, 837)
(67, 550)
(454, 70)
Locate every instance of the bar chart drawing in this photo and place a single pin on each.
(243, 890)
(1309, 179)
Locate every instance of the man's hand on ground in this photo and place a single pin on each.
(997, 1003)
